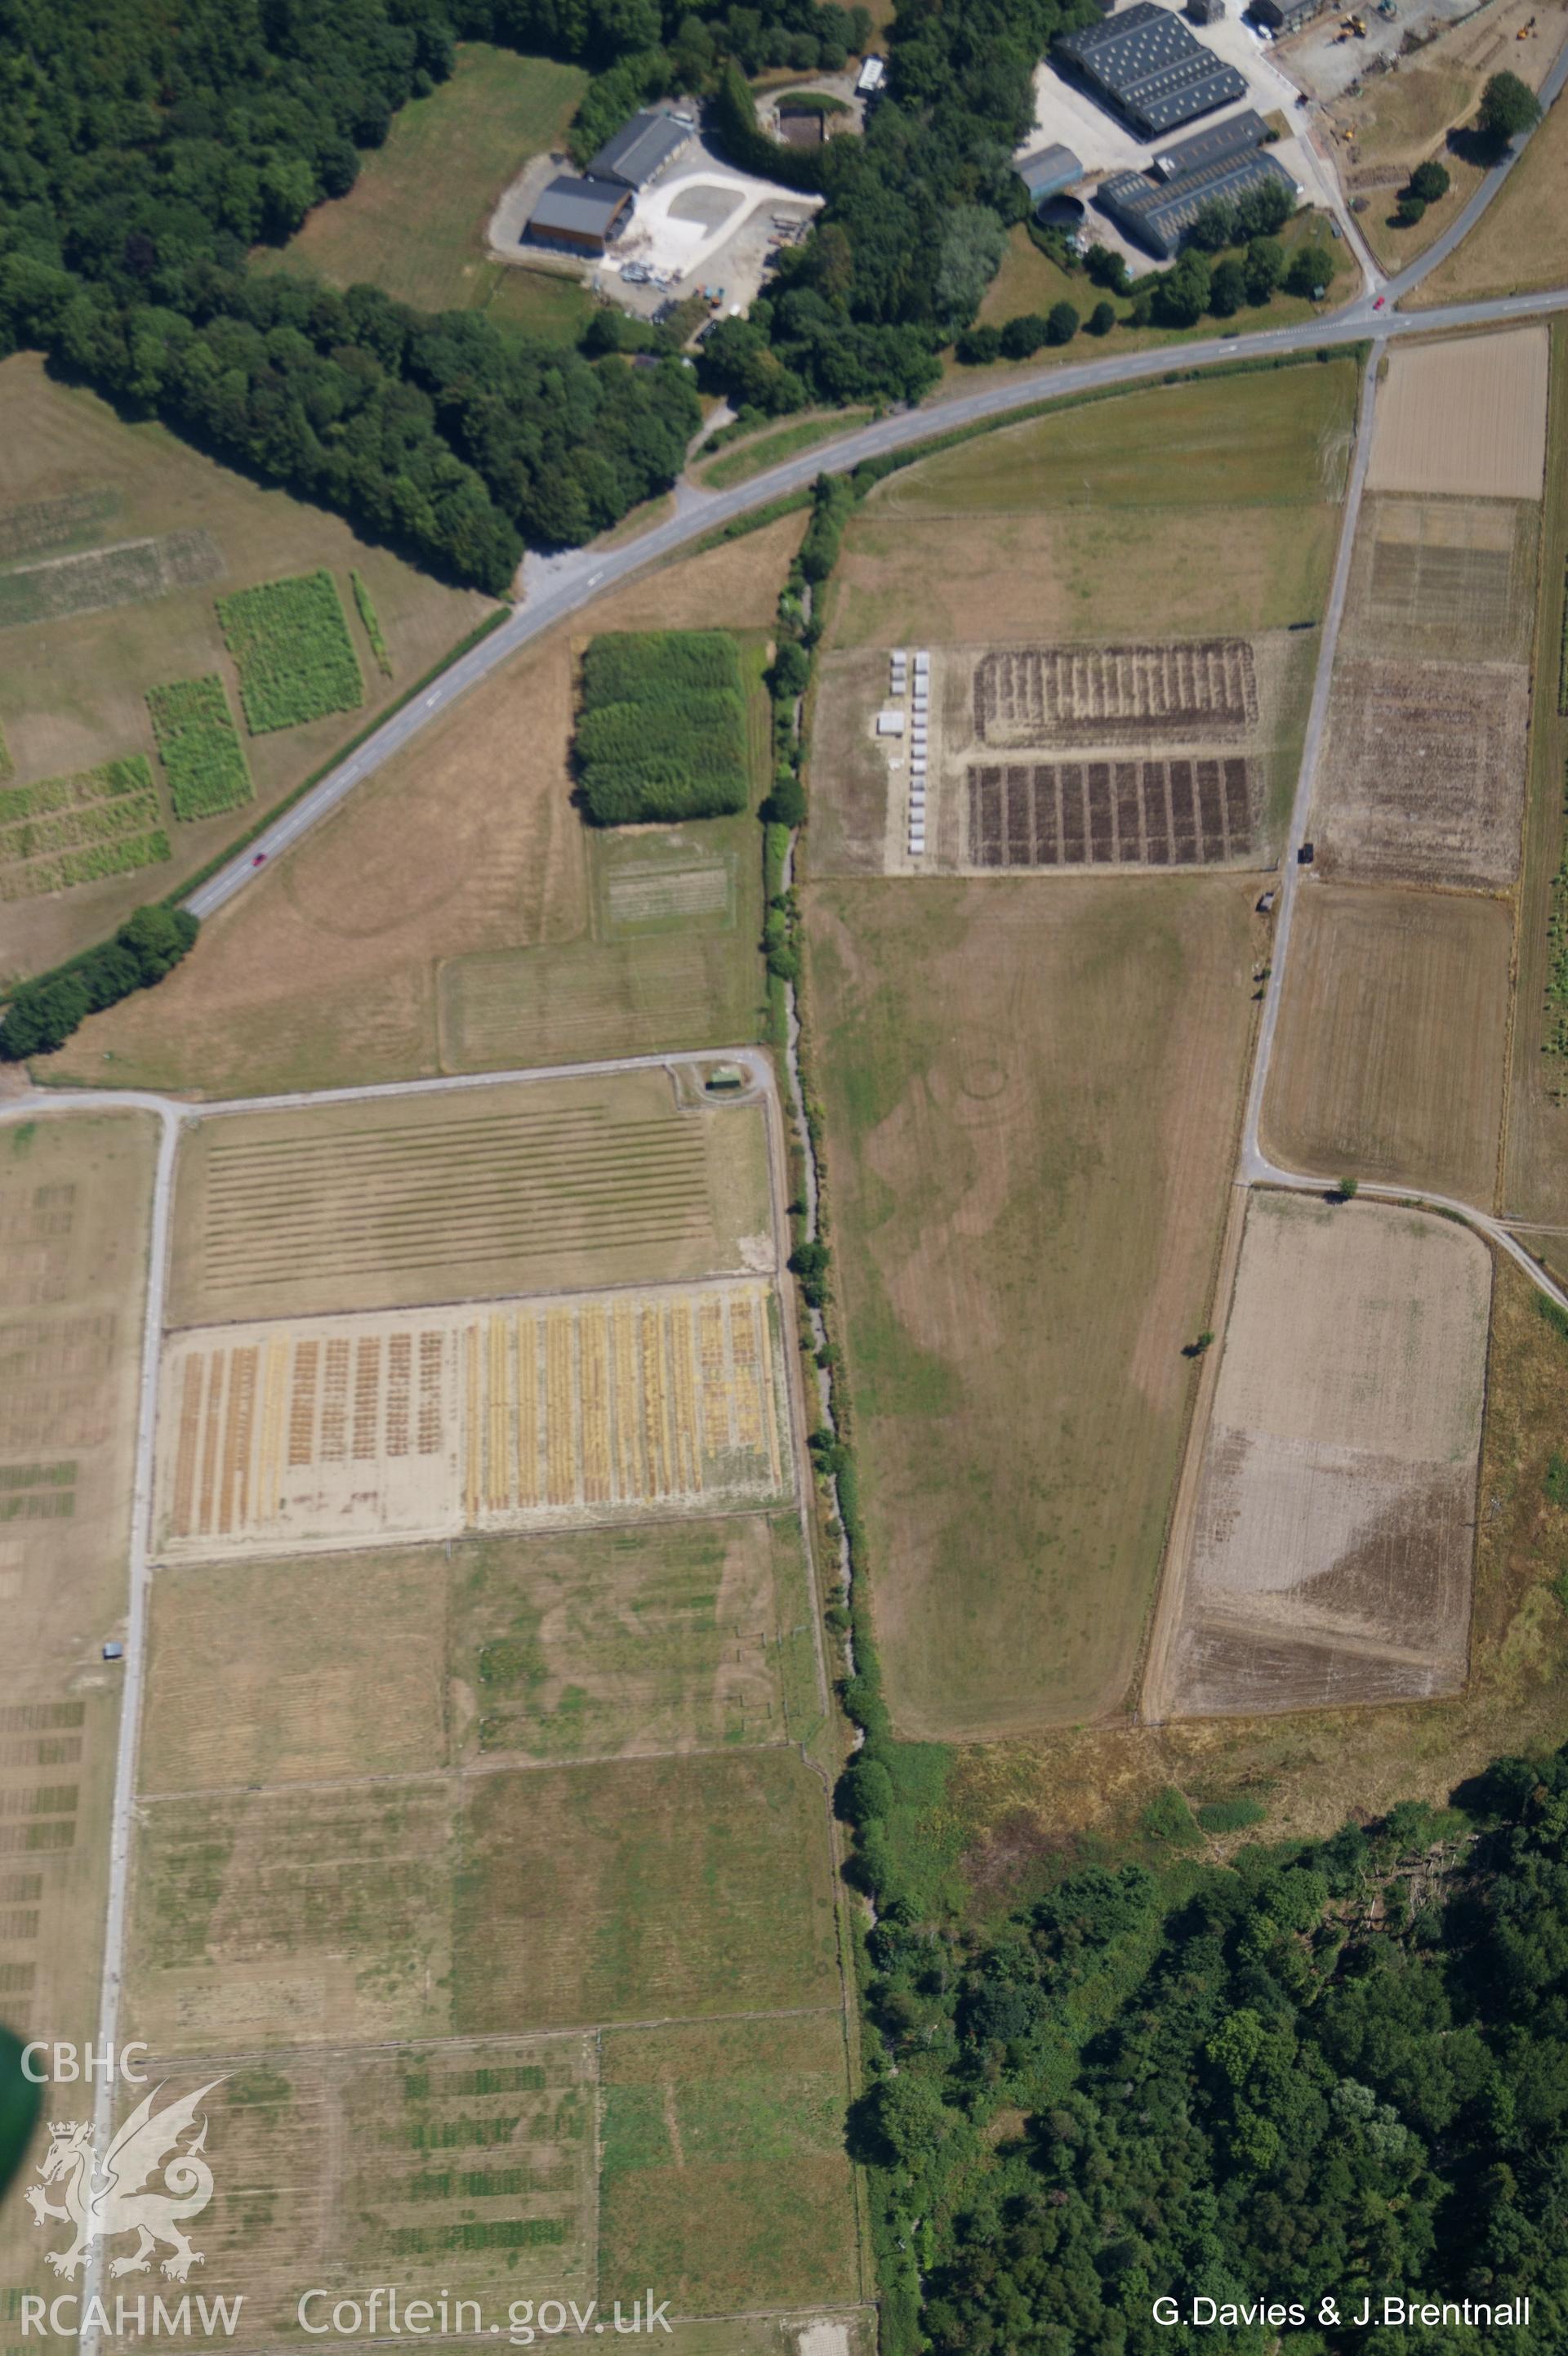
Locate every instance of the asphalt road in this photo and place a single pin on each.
(558, 586)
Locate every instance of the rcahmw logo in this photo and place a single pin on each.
(105, 2198)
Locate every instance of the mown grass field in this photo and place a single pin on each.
(643, 1889)
(138, 534)
(1521, 242)
(724, 2174)
(332, 968)
(1178, 509)
(635, 1641)
(1030, 1094)
(414, 221)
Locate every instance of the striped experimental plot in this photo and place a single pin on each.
(518, 1415)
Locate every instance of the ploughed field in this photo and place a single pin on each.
(1335, 1529)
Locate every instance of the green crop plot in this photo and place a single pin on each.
(663, 730)
(199, 747)
(296, 662)
(78, 829)
(372, 621)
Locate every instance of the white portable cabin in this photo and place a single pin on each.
(889, 723)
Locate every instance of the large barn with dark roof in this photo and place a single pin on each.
(1144, 64)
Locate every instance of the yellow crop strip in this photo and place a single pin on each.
(743, 1353)
(688, 1439)
(216, 1367)
(559, 1424)
(527, 1410)
(656, 1434)
(628, 1420)
(592, 1342)
(715, 1377)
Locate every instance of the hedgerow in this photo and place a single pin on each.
(296, 660)
(372, 621)
(42, 1015)
(200, 747)
(662, 735)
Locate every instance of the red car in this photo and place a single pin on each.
(260, 860)
(1379, 304)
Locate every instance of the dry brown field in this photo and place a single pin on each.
(1535, 1171)
(1092, 572)
(1430, 576)
(324, 973)
(1031, 1099)
(1521, 242)
(1183, 756)
(543, 1184)
(1012, 1810)
(282, 1672)
(316, 1913)
(75, 1208)
(540, 1414)
(1336, 1516)
(1467, 417)
(76, 662)
(1391, 1042)
(1422, 778)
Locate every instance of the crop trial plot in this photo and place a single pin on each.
(1433, 576)
(1100, 813)
(291, 1917)
(536, 1414)
(548, 1184)
(1467, 417)
(1088, 695)
(1173, 756)
(456, 2171)
(1423, 772)
(1331, 1560)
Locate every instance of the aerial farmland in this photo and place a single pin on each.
(481, 1842)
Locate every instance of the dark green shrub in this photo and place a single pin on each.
(1062, 324)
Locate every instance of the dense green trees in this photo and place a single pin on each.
(42, 1015)
(1335, 2067)
(1507, 107)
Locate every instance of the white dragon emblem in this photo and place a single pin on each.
(104, 2200)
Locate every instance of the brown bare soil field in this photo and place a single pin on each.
(1431, 576)
(665, 1637)
(1423, 772)
(1391, 1049)
(540, 1186)
(1467, 417)
(1050, 696)
(75, 1203)
(316, 1915)
(1030, 1103)
(347, 1432)
(75, 478)
(642, 1888)
(464, 2171)
(1337, 1507)
(324, 972)
(695, 2118)
(279, 1672)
